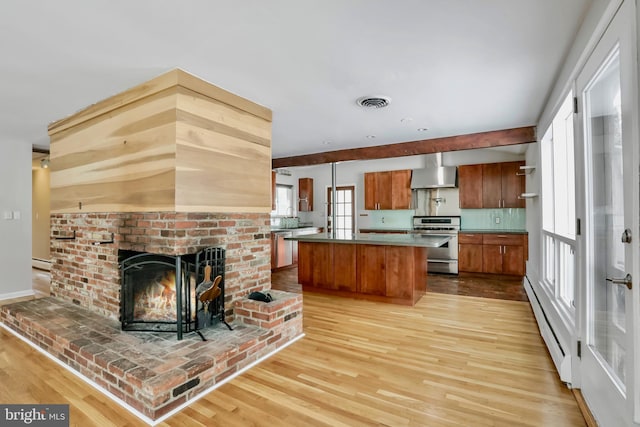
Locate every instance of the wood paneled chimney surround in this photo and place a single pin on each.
(169, 167)
(175, 143)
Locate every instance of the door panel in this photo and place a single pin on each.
(512, 185)
(491, 185)
(609, 137)
(470, 181)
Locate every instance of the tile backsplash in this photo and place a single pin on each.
(383, 219)
(493, 219)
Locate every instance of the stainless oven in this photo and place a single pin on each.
(445, 258)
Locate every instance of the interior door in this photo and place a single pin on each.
(607, 93)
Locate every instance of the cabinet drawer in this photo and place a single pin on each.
(473, 238)
(503, 239)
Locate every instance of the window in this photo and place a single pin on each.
(284, 200)
(345, 217)
(558, 205)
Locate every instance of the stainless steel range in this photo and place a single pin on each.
(445, 258)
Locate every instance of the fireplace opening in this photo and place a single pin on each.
(160, 293)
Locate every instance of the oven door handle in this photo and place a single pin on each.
(452, 235)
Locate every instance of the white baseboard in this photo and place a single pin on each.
(41, 264)
(19, 294)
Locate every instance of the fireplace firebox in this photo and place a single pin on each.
(159, 293)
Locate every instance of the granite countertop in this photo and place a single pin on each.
(377, 239)
(485, 231)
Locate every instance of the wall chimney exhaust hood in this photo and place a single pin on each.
(434, 175)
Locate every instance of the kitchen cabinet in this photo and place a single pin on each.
(305, 195)
(470, 185)
(394, 274)
(470, 253)
(273, 190)
(502, 185)
(491, 185)
(504, 253)
(387, 190)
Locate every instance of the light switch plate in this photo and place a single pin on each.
(16, 215)
(7, 215)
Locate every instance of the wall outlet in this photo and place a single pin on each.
(497, 220)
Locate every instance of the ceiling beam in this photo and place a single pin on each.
(496, 138)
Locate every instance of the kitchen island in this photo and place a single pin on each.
(381, 267)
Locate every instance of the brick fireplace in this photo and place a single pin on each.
(87, 273)
(169, 167)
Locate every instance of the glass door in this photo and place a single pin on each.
(605, 88)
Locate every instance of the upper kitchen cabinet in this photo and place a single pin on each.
(491, 185)
(502, 185)
(470, 184)
(273, 190)
(387, 190)
(305, 194)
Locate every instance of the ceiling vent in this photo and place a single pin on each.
(373, 101)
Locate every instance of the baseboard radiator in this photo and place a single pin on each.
(561, 358)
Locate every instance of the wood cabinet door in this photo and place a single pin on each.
(470, 258)
(492, 258)
(491, 185)
(370, 191)
(344, 266)
(314, 264)
(470, 184)
(273, 190)
(371, 275)
(384, 189)
(399, 279)
(274, 256)
(513, 185)
(401, 189)
(513, 260)
(305, 194)
(305, 263)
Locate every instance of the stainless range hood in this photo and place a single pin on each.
(434, 175)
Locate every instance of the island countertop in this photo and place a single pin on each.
(424, 241)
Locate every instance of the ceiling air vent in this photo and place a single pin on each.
(373, 101)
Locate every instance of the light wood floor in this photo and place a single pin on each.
(449, 361)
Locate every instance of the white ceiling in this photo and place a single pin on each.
(452, 66)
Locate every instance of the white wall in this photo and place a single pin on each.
(15, 196)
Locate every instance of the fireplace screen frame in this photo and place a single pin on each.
(189, 271)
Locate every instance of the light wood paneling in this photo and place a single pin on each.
(175, 143)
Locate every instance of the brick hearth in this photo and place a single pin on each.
(153, 372)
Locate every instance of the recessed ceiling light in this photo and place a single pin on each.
(370, 136)
(377, 101)
(326, 142)
(406, 120)
(423, 129)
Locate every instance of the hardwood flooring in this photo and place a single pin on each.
(499, 287)
(449, 361)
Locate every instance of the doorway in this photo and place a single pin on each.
(345, 213)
